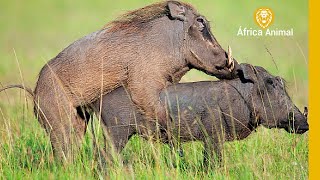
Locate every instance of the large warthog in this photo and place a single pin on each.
(144, 50)
(212, 111)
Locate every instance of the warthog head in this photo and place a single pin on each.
(271, 103)
(202, 50)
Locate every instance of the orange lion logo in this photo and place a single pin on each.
(263, 17)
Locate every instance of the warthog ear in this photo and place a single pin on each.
(247, 73)
(177, 11)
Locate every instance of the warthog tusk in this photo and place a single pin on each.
(230, 59)
(305, 112)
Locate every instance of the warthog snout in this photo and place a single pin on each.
(230, 69)
(297, 122)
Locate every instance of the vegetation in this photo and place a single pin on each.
(32, 32)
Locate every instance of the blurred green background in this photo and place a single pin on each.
(34, 31)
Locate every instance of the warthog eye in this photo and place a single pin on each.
(201, 23)
(204, 27)
(200, 19)
(269, 81)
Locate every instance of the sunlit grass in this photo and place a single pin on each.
(38, 30)
(264, 154)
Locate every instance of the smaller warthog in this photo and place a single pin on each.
(212, 112)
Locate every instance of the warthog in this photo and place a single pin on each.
(145, 50)
(212, 111)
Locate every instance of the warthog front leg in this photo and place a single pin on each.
(147, 99)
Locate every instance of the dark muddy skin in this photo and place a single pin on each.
(144, 50)
(212, 112)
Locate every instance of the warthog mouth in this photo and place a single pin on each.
(229, 66)
(301, 131)
(297, 130)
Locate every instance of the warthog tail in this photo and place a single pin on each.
(29, 90)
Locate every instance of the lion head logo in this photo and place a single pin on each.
(263, 17)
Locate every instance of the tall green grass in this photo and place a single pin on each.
(266, 154)
(32, 32)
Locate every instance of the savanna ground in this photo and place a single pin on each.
(32, 32)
